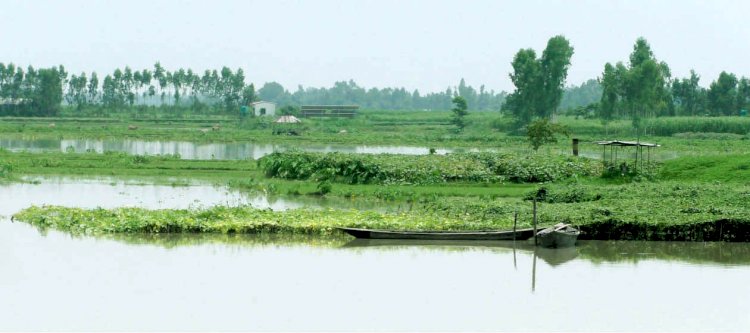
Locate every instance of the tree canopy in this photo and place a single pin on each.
(539, 82)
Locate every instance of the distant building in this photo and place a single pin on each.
(263, 108)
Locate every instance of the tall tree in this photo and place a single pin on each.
(522, 103)
(555, 62)
(640, 88)
(688, 96)
(47, 92)
(743, 94)
(722, 95)
(539, 82)
(459, 112)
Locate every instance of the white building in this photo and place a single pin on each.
(263, 108)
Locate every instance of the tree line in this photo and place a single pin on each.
(218, 90)
(348, 92)
(641, 88)
(644, 88)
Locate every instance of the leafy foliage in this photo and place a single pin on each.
(539, 82)
(426, 169)
(459, 112)
(542, 131)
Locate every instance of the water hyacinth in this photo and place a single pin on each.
(244, 219)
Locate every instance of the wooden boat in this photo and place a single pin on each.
(520, 234)
(558, 236)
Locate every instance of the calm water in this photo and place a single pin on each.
(251, 150)
(54, 281)
(110, 193)
(190, 150)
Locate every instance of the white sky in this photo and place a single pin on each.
(428, 45)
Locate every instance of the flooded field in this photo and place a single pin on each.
(111, 193)
(207, 151)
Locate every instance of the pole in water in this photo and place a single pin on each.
(535, 241)
(515, 220)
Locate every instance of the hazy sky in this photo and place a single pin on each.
(428, 45)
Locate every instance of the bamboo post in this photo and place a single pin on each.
(534, 220)
(515, 221)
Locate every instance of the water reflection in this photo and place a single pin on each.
(594, 251)
(112, 193)
(201, 151)
(291, 283)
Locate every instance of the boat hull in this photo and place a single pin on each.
(557, 239)
(439, 235)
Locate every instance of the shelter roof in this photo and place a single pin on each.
(288, 120)
(262, 102)
(627, 143)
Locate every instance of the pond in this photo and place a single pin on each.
(200, 151)
(55, 281)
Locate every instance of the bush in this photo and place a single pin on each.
(425, 169)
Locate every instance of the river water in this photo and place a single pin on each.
(55, 281)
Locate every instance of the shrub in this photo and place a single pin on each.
(425, 169)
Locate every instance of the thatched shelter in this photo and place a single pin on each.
(287, 120)
(290, 125)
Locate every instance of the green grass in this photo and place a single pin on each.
(728, 168)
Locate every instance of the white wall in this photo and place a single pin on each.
(270, 109)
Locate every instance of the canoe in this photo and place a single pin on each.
(558, 236)
(520, 234)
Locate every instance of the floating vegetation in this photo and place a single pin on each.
(245, 219)
(636, 211)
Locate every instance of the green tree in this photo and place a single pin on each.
(688, 96)
(47, 92)
(722, 95)
(743, 94)
(611, 91)
(541, 131)
(459, 112)
(522, 103)
(555, 62)
(640, 88)
(539, 82)
(248, 94)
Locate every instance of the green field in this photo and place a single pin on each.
(699, 178)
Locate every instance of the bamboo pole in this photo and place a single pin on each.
(515, 221)
(534, 219)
